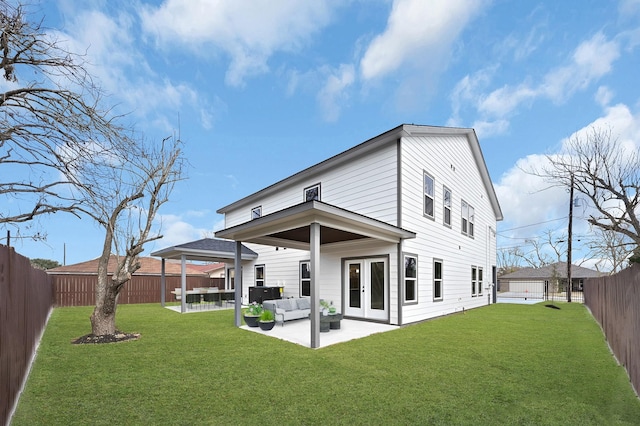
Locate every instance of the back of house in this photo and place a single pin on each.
(407, 226)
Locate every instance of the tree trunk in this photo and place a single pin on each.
(103, 319)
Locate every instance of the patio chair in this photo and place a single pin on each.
(193, 298)
(213, 297)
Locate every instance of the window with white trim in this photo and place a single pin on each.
(259, 277)
(474, 281)
(468, 219)
(446, 206)
(429, 196)
(256, 212)
(480, 282)
(312, 193)
(437, 279)
(305, 279)
(410, 279)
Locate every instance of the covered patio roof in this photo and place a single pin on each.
(206, 249)
(290, 227)
(308, 226)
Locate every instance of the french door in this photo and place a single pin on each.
(366, 291)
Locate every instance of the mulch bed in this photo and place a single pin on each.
(106, 338)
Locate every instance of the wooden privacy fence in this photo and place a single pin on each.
(79, 289)
(26, 298)
(614, 302)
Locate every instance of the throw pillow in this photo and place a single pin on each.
(304, 303)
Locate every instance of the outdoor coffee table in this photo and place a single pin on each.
(330, 322)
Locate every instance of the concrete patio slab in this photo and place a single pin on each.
(299, 331)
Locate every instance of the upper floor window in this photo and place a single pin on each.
(256, 212)
(437, 279)
(468, 219)
(410, 278)
(259, 275)
(312, 193)
(428, 195)
(446, 206)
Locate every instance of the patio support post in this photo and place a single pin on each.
(183, 283)
(314, 247)
(163, 285)
(238, 283)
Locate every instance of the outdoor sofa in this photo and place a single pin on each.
(288, 309)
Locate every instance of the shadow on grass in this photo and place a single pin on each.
(552, 306)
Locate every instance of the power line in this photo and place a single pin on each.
(533, 224)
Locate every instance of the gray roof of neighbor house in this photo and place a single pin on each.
(390, 136)
(558, 269)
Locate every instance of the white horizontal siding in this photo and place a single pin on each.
(449, 160)
(367, 186)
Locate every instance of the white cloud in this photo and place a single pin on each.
(122, 70)
(334, 93)
(590, 61)
(175, 230)
(414, 28)
(249, 34)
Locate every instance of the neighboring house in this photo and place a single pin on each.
(74, 285)
(397, 229)
(536, 282)
(214, 270)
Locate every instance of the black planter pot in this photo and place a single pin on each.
(266, 325)
(252, 321)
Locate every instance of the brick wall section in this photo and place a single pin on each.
(26, 298)
(614, 302)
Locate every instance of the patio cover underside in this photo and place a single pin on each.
(308, 226)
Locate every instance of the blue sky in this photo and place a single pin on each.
(262, 89)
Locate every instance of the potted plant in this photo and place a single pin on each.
(252, 314)
(267, 320)
(324, 307)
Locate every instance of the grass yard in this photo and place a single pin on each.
(502, 364)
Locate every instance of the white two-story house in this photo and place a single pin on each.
(397, 229)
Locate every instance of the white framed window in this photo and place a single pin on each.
(410, 279)
(480, 283)
(312, 193)
(468, 219)
(437, 279)
(429, 196)
(256, 212)
(259, 275)
(446, 206)
(474, 281)
(305, 278)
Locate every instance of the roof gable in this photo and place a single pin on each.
(372, 145)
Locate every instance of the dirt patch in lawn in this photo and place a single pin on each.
(106, 338)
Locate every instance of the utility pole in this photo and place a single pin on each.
(569, 241)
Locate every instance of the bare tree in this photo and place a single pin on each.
(612, 250)
(509, 259)
(126, 193)
(48, 104)
(608, 174)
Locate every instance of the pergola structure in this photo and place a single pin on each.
(308, 226)
(206, 249)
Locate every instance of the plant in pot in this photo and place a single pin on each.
(327, 308)
(267, 320)
(252, 314)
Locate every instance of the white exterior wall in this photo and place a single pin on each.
(369, 186)
(366, 186)
(449, 160)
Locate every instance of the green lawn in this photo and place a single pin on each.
(502, 364)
